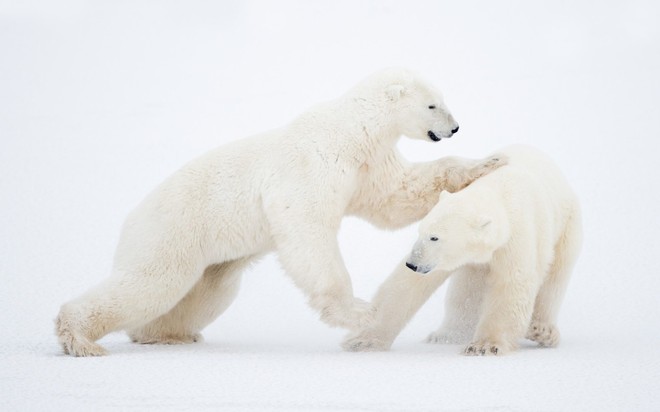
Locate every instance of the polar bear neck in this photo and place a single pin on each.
(373, 130)
(355, 128)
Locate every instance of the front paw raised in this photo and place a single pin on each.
(488, 165)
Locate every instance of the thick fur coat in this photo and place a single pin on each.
(182, 250)
(509, 242)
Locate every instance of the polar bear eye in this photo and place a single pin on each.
(432, 107)
(433, 239)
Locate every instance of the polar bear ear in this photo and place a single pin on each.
(394, 91)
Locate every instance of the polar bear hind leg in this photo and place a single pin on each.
(543, 328)
(207, 300)
(124, 301)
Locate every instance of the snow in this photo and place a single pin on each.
(100, 101)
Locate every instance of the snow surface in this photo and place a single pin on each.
(100, 101)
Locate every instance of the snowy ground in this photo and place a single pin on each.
(100, 101)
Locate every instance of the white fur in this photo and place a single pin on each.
(509, 240)
(181, 251)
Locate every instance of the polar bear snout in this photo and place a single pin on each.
(419, 269)
(437, 138)
(423, 257)
(433, 136)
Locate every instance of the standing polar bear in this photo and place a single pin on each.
(181, 251)
(509, 240)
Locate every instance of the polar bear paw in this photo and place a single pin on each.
(488, 165)
(484, 349)
(169, 339)
(81, 347)
(365, 342)
(545, 334)
(357, 315)
(73, 340)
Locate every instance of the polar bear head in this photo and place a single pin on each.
(456, 233)
(417, 108)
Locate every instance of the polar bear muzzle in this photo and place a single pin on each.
(437, 138)
(433, 136)
(419, 269)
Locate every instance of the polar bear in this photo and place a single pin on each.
(509, 242)
(181, 251)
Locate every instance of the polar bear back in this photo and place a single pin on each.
(531, 190)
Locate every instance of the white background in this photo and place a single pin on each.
(100, 101)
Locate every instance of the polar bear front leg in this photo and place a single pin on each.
(462, 305)
(400, 194)
(309, 254)
(397, 301)
(455, 173)
(507, 306)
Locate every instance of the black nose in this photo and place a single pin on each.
(454, 130)
(411, 266)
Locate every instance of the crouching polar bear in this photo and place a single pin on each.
(181, 251)
(509, 242)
